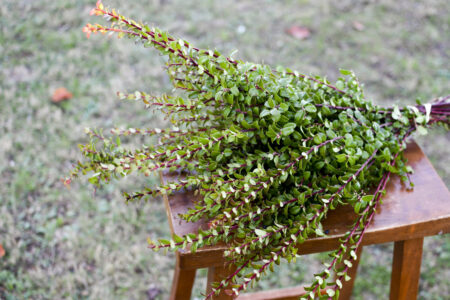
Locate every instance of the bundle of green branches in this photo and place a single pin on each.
(271, 152)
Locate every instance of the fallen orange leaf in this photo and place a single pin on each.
(299, 32)
(61, 94)
(2, 251)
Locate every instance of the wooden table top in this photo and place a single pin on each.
(404, 214)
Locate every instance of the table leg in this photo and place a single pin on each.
(182, 283)
(406, 269)
(217, 274)
(347, 287)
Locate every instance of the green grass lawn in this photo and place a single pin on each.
(87, 244)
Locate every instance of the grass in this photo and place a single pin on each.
(86, 244)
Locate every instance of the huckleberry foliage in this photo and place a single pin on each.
(271, 152)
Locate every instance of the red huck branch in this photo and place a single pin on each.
(271, 152)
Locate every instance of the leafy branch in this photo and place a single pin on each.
(270, 153)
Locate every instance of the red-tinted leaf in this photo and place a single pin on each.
(299, 32)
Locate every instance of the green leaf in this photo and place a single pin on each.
(299, 115)
(330, 292)
(276, 114)
(226, 112)
(253, 92)
(331, 134)
(264, 113)
(319, 232)
(367, 198)
(341, 157)
(310, 108)
(260, 232)
(294, 210)
(164, 242)
(234, 90)
(270, 103)
(203, 140)
(340, 84)
(288, 129)
(348, 263)
(271, 133)
(396, 114)
(215, 208)
(319, 138)
(339, 283)
(284, 106)
(177, 238)
(345, 72)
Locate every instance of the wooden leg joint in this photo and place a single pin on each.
(406, 269)
(217, 274)
(183, 280)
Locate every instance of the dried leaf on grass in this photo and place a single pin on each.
(299, 32)
(61, 94)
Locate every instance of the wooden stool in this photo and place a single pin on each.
(405, 218)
